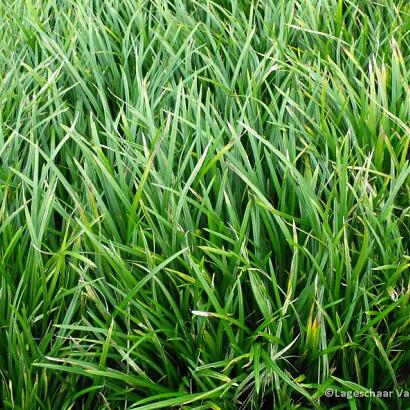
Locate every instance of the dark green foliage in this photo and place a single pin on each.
(203, 204)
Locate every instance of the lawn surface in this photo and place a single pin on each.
(204, 204)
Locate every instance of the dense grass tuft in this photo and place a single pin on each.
(204, 204)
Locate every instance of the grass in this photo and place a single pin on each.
(204, 204)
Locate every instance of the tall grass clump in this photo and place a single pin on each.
(204, 204)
